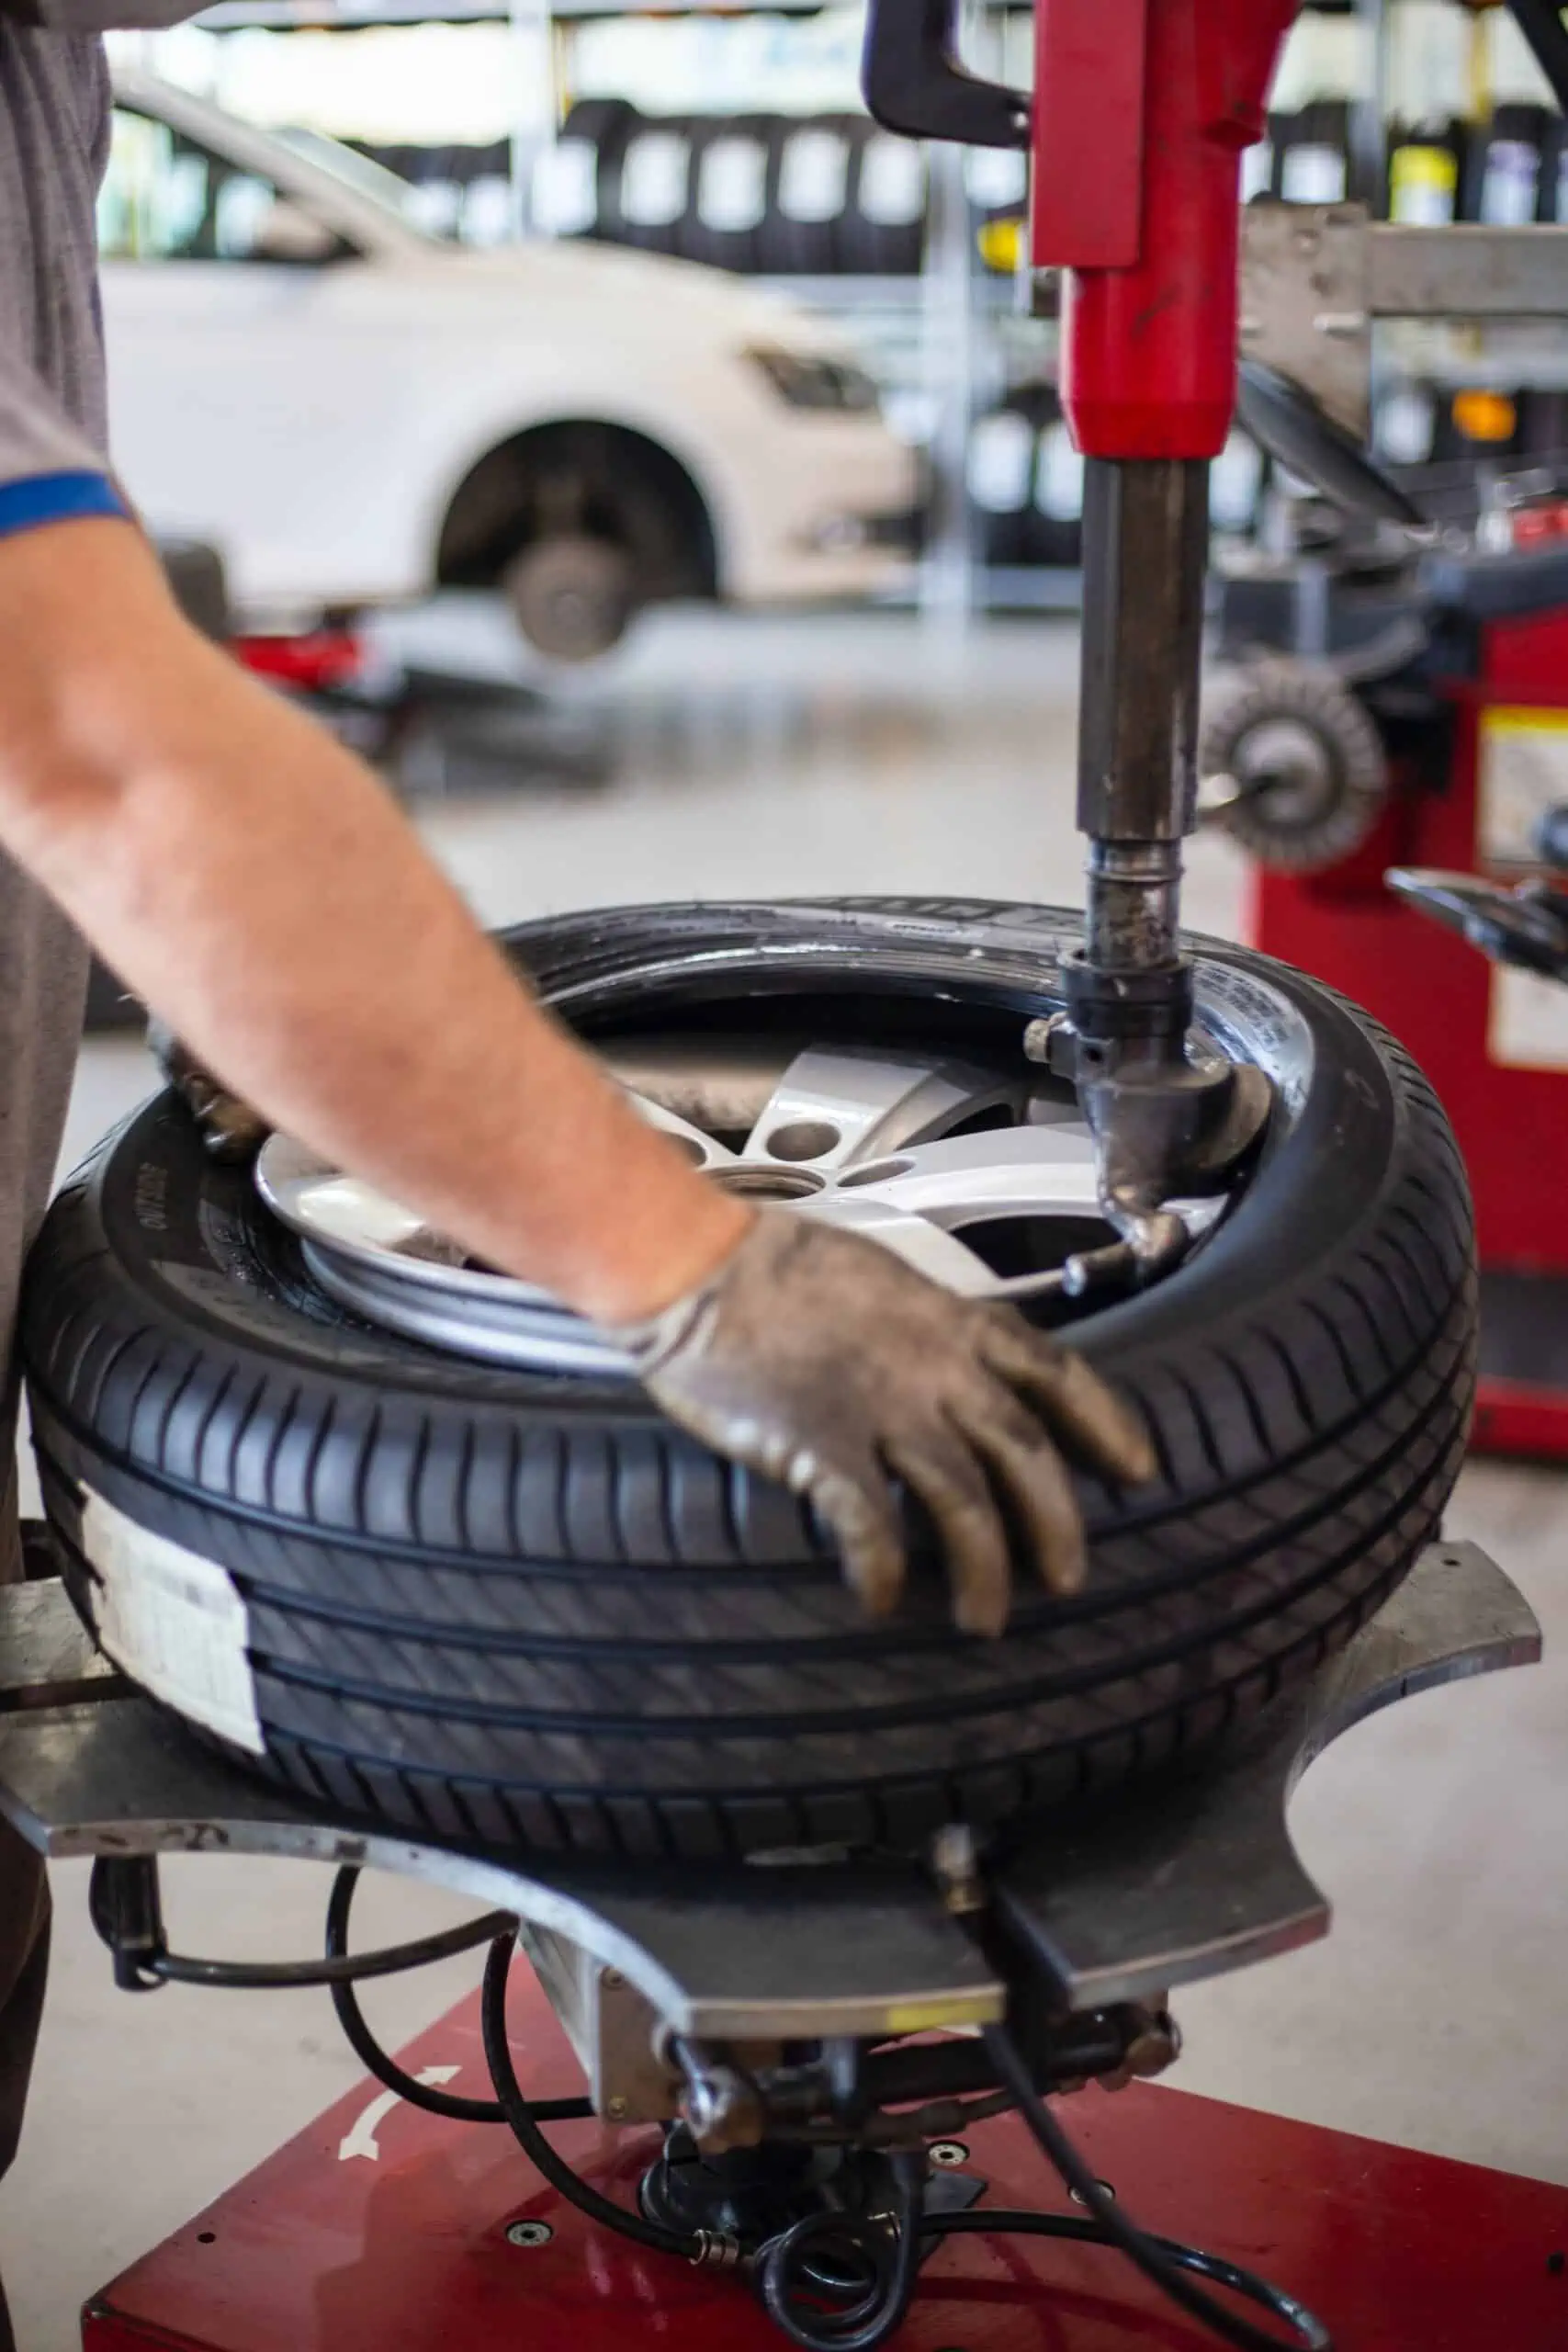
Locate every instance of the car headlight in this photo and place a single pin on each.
(811, 379)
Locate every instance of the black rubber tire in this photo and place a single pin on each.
(870, 246)
(660, 235)
(792, 246)
(701, 239)
(504, 1607)
(603, 124)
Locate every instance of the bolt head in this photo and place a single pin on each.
(528, 2233)
(616, 2109)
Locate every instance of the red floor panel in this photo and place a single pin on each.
(328, 2248)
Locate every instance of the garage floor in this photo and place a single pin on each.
(857, 755)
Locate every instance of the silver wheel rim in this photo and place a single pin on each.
(865, 1137)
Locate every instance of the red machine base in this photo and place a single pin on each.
(383, 2230)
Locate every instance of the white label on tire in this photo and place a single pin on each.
(732, 184)
(892, 181)
(1001, 450)
(654, 177)
(996, 177)
(1058, 475)
(814, 174)
(174, 1622)
(1529, 1024)
(566, 188)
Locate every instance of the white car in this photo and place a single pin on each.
(355, 411)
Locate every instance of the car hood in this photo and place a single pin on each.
(680, 296)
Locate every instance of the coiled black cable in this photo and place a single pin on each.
(856, 2304)
(386, 2069)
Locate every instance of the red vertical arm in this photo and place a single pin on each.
(1086, 191)
(1149, 319)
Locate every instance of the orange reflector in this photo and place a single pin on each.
(1485, 416)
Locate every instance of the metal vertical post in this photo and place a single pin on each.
(1369, 111)
(947, 582)
(534, 119)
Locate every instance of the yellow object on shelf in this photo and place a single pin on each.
(1423, 183)
(1001, 244)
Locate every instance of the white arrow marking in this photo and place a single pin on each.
(362, 2140)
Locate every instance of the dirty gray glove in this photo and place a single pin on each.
(823, 1361)
(230, 1128)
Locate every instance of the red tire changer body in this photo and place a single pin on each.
(1475, 728)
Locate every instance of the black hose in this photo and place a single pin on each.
(855, 2304)
(524, 2120)
(386, 2069)
(1077, 2230)
(288, 1975)
(1160, 2262)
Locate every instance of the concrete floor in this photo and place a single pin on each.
(859, 755)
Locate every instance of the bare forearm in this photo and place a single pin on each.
(254, 883)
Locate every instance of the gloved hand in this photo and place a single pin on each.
(230, 1128)
(821, 1360)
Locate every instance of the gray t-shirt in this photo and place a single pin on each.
(54, 114)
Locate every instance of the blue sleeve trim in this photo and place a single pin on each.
(39, 499)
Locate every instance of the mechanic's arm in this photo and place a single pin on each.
(255, 882)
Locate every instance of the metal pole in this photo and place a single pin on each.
(947, 582)
(1146, 550)
(534, 119)
(1369, 113)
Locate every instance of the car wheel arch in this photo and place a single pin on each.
(493, 505)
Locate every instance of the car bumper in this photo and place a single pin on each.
(837, 521)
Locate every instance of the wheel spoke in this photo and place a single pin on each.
(702, 1148)
(1041, 1170)
(834, 1110)
(941, 1256)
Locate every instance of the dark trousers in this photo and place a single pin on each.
(24, 1920)
(24, 1965)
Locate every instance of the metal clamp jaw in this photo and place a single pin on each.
(1172, 1117)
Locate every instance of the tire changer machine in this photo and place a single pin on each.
(1400, 704)
(822, 2031)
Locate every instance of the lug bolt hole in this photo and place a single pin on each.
(805, 1139)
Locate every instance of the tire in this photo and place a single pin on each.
(602, 125)
(884, 229)
(654, 193)
(728, 208)
(1003, 447)
(493, 1605)
(814, 164)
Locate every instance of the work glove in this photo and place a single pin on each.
(230, 1128)
(823, 1361)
